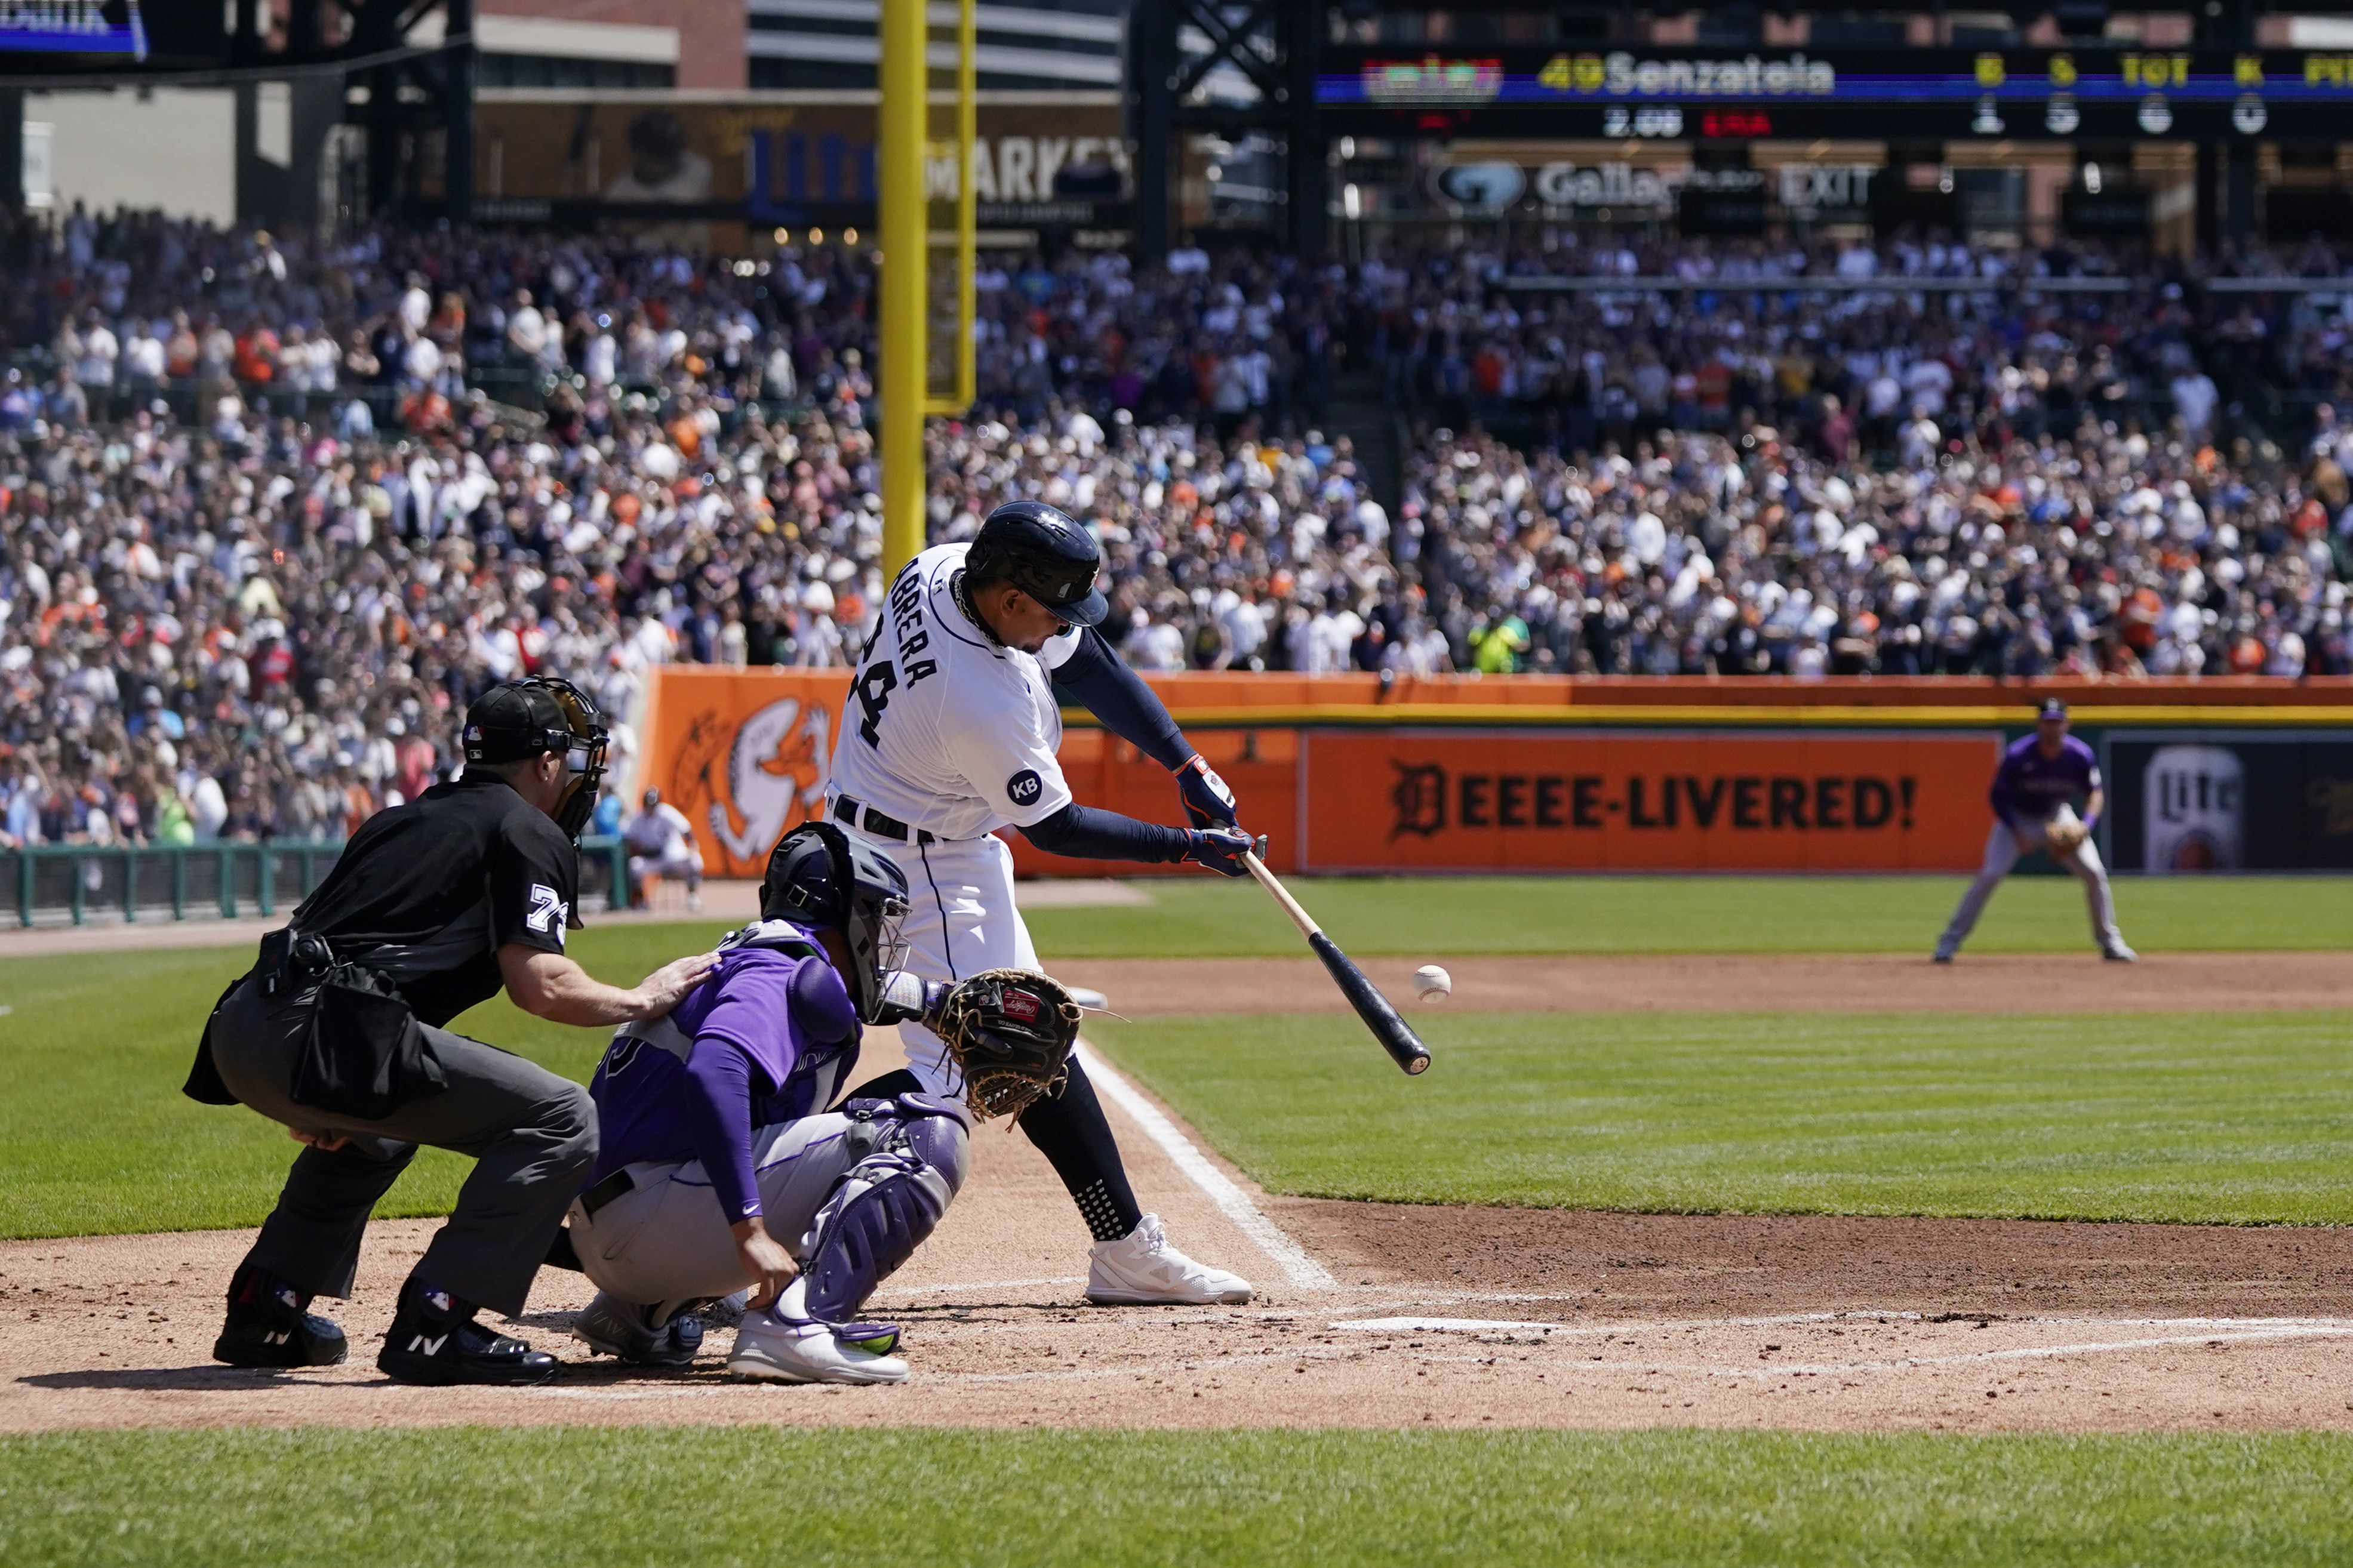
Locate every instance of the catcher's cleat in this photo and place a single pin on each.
(269, 1325)
(614, 1327)
(435, 1341)
(777, 1350)
(1142, 1269)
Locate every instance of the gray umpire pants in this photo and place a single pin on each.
(667, 1240)
(532, 1136)
(2005, 847)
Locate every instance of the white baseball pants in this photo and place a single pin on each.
(961, 918)
(2005, 846)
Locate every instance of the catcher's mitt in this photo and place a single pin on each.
(1012, 1030)
(2064, 837)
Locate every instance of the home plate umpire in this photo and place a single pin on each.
(338, 1033)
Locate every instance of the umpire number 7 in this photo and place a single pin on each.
(874, 692)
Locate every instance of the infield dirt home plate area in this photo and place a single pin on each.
(1386, 1315)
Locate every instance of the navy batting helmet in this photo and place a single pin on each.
(820, 878)
(1042, 551)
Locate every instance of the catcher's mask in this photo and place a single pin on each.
(518, 719)
(818, 877)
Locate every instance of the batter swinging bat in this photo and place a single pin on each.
(1396, 1035)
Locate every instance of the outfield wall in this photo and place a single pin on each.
(1347, 774)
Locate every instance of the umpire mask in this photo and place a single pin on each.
(820, 878)
(518, 719)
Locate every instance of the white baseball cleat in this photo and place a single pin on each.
(2117, 952)
(779, 1352)
(1142, 1269)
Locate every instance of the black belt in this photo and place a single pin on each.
(620, 1184)
(860, 815)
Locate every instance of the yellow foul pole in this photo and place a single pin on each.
(901, 123)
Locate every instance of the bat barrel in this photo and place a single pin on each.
(1396, 1035)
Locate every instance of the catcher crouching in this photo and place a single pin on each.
(723, 1169)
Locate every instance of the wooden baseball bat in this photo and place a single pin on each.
(1396, 1035)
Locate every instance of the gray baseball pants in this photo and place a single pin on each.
(667, 1240)
(2005, 846)
(532, 1136)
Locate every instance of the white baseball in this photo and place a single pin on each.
(1432, 983)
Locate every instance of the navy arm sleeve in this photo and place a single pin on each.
(1106, 688)
(1085, 833)
(719, 1111)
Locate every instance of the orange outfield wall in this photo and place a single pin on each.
(1343, 781)
(1548, 801)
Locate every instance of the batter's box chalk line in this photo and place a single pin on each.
(1300, 1269)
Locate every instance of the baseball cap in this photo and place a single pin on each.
(511, 723)
(2052, 709)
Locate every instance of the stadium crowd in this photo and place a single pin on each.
(265, 532)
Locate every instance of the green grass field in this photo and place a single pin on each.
(2241, 1118)
(1201, 916)
(2237, 1119)
(679, 1495)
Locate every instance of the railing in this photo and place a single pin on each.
(73, 884)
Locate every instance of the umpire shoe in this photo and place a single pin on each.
(786, 1349)
(435, 1341)
(269, 1325)
(613, 1327)
(1142, 1269)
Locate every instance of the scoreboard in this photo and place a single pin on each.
(1924, 94)
(123, 40)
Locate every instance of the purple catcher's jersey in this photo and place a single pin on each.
(2030, 785)
(752, 1033)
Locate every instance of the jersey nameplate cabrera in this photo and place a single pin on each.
(947, 730)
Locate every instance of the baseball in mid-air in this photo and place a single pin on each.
(1432, 983)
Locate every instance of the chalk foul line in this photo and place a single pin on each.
(1302, 1270)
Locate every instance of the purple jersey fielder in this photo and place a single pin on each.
(2040, 778)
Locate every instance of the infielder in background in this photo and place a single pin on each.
(722, 1167)
(661, 844)
(949, 733)
(2035, 790)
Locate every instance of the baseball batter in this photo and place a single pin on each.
(2033, 796)
(950, 734)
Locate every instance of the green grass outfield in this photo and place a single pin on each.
(577, 1497)
(1205, 916)
(2241, 1118)
(2238, 1118)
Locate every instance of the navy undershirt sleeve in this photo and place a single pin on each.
(1106, 688)
(719, 1111)
(1085, 833)
(821, 1005)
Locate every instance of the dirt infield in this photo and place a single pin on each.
(1448, 1316)
(1747, 983)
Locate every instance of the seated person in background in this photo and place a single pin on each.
(661, 844)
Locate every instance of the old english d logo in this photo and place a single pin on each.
(1420, 800)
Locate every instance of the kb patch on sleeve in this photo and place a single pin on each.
(1024, 787)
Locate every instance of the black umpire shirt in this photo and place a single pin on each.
(427, 893)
